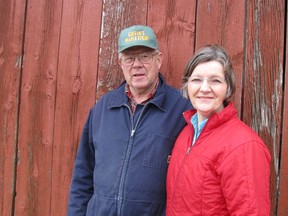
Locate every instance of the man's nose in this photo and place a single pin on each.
(137, 61)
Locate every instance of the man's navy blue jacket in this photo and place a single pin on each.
(121, 162)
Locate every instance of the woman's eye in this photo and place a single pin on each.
(215, 81)
(196, 80)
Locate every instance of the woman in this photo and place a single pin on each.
(219, 165)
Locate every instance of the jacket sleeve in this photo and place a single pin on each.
(81, 189)
(245, 180)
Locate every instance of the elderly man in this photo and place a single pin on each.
(123, 155)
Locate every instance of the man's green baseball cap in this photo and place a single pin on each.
(137, 35)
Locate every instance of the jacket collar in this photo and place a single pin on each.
(119, 97)
(216, 119)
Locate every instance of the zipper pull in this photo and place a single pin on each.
(132, 133)
(188, 150)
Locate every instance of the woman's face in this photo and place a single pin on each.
(207, 88)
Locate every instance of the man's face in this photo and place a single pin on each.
(140, 66)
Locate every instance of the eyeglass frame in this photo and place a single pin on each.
(211, 81)
(134, 55)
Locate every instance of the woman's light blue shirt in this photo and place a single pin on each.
(197, 130)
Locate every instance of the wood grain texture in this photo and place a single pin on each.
(222, 22)
(263, 84)
(76, 91)
(37, 110)
(117, 15)
(11, 40)
(69, 59)
(282, 194)
(174, 25)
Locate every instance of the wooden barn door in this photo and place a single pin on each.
(57, 57)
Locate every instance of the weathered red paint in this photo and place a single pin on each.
(174, 24)
(263, 83)
(283, 171)
(76, 90)
(11, 56)
(70, 60)
(37, 107)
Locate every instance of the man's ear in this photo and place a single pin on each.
(119, 63)
(160, 59)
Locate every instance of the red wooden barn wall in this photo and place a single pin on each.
(57, 57)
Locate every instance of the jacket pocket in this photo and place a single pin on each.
(101, 206)
(157, 150)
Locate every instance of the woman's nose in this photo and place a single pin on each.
(205, 85)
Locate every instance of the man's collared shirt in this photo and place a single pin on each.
(131, 98)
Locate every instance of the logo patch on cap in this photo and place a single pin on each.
(137, 36)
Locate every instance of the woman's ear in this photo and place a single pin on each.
(228, 93)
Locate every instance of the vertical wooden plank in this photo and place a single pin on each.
(263, 85)
(222, 22)
(36, 115)
(11, 39)
(283, 189)
(76, 90)
(174, 25)
(117, 14)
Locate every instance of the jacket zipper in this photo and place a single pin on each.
(191, 145)
(183, 162)
(177, 177)
(126, 160)
(188, 150)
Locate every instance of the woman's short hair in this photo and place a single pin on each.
(206, 54)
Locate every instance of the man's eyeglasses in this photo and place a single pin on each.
(214, 81)
(144, 58)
